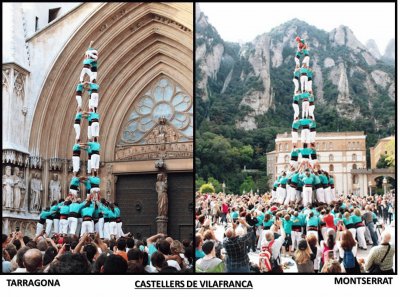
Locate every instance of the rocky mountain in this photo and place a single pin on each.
(244, 91)
(373, 48)
(390, 51)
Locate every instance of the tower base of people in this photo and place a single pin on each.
(162, 224)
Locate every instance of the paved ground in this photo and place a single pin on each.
(291, 268)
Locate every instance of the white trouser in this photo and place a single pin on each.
(295, 136)
(95, 159)
(328, 193)
(49, 224)
(320, 195)
(107, 230)
(296, 110)
(291, 195)
(361, 237)
(296, 85)
(94, 100)
(293, 163)
(311, 109)
(309, 85)
(79, 100)
(353, 232)
(73, 192)
(304, 109)
(119, 230)
(113, 228)
(83, 72)
(333, 195)
(95, 129)
(281, 194)
(94, 190)
(72, 224)
(296, 236)
(87, 227)
(323, 232)
(307, 195)
(273, 196)
(89, 132)
(303, 82)
(77, 128)
(306, 60)
(39, 228)
(297, 60)
(75, 163)
(313, 134)
(99, 227)
(89, 166)
(312, 232)
(64, 226)
(305, 136)
(56, 225)
(298, 196)
(93, 76)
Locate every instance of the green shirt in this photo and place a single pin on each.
(94, 146)
(308, 180)
(78, 116)
(75, 181)
(311, 98)
(76, 207)
(64, 209)
(76, 147)
(296, 124)
(294, 153)
(313, 222)
(313, 124)
(306, 151)
(317, 180)
(79, 87)
(45, 214)
(295, 178)
(324, 179)
(93, 116)
(296, 97)
(283, 180)
(305, 123)
(331, 181)
(356, 219)
(304, 95)
(94, 180)
(296, 221)
(88, 211)
(303, 71)
(287, 226)
(296, 73)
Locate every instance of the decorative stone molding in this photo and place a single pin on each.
(15, 157)
(6, 77)
(111, 20)
(35, 162)
(55, 163)
(19, 83)
(168, 21)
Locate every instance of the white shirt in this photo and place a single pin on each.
(20, 270)
(174, 263)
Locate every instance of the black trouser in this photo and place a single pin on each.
(252, 242)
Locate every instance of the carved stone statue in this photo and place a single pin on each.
(36, 189)
(161, 188)
(22, 186)
(17, 189)
(8, 185)
(55, 188)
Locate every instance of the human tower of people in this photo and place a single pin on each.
(305, 176)
(75, 215)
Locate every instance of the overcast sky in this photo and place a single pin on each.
(242, 22)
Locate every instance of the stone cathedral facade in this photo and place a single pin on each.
(146, 103)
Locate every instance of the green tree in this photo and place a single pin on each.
(391, 156)
(207, 188)
(199, 182)
(382, 162)
(247, 185)
(217, 186)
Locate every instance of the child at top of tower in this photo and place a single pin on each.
(300, 43)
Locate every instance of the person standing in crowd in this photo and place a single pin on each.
(368, 218)
(209, 263)
(304, 257)
(360, 228)
(235, 246)
(380, 258)
(348, 253)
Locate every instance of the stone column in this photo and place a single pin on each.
(64, 178)
(162, 224)
(45, 183)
